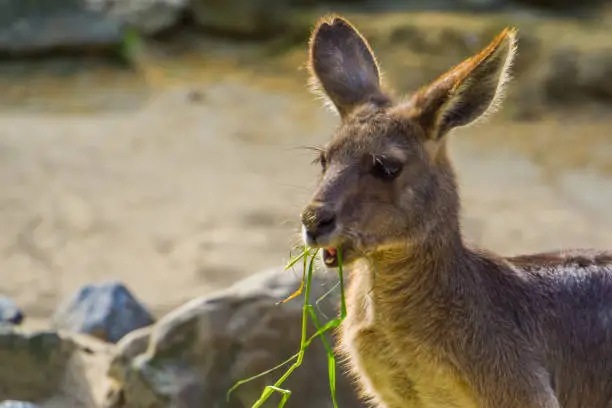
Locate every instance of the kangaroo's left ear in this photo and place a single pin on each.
(466, 92)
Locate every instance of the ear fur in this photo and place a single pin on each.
(468, 91)
(342, 65)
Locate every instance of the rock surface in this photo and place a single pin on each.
(10, 312)
(562, 5)
(30, 27)
(107, 311)
(30, 363)
(56, 370)
(595, 74)
(146, 16)
(242, 17)
(571, 76)
(197, 352)
(17, 404)
(41, 25)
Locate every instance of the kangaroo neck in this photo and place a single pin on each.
(423, 281)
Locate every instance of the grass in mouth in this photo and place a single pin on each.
(307, 257)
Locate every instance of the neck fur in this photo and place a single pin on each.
(415, 285)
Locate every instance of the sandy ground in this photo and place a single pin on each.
(177, 197)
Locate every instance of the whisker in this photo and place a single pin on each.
(312, 148)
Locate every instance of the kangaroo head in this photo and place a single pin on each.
(386, 179)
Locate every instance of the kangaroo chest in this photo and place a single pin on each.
(397, 376)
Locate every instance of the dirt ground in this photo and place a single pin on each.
(181, 187)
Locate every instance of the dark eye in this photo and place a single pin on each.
(386, 169)
(323, 161)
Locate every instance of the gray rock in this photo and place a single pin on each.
(107, 311)
(193, 355)
(573, 77)
(146, 16)
(483, 5)
(595, 74)
(17, 404)
(63, 370)
(30, 363)
(242, 17)
(560, 77)
(9, 312)
(42, 25)
(567, 6)
(35, 26)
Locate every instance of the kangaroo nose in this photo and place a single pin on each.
(318, 221)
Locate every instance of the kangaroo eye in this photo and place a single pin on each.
(385, 169)
(323, 161)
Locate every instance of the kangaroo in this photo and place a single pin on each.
(433, 322)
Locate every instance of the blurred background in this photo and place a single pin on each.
(160, 143)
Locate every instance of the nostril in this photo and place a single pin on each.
(318, 221)
(326, 222)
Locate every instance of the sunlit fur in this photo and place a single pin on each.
(432, 322)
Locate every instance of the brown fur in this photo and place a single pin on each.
(432, 322)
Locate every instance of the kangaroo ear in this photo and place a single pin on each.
(468, 91)
(343, 65)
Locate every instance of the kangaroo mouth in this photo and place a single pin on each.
(330, 257)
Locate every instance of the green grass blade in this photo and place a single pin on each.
(246, 380)
(297, 259)
(270, 389)
(331, 360)
(308, 256)
(341, 282)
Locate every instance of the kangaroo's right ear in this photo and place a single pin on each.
(468, 91)
(342, 63)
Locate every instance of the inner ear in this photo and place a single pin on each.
(467, 92)
(343, 64)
